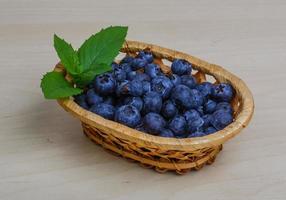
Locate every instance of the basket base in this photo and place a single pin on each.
(180, 162)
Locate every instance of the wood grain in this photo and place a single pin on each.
(43, 154)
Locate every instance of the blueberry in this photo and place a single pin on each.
(154, 123)
(136, 88)
(134, 101)
(220, 119)
(131, 75)
(181, 96)
(205, 88)
(191, 115)
(166, 133)
(178, 125)
(152, 70)
(127, 59)
(119, 73)
(209, 130)
(180, 67)
(175, 79)
(147, 55)
(104, 84)
(81, 100)
(222, 92)
(146, 86)
(207, 120)
(162, 85)
(198, 133)
(196, 124)
(225, 106)
(93, 98)
(128, 115)
(126, 67)
(189, 81)
(138, 63)
(152, 102)
(104, 110)
(109, 100)
(210, 106)
(169, 109)
(186, 97)
(142, 77)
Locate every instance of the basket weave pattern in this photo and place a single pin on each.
(164, 154)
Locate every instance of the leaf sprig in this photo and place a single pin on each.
(93, 57)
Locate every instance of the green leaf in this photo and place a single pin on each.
(55, 86)
(87, 76)
(102, 47)
(68, 55)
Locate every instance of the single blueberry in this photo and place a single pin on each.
(104, 110)
(181, 67)
(119, 73)
(196, 124)
(169, 109)
(222, 92)
(136, 88)
(220, 119)
(154, 123)
(225, 106)
(146, 86)
(178, 125)
(138, 63)
(181, 96)
(93, 98)
(81, 100)
(147, 55)
(152, 102)
(191, 115)
(166, 133)
(175, 79)
(152, 70)
(209, 130)
(127, 59)
(134, 101)
(188, 80)
(205, 88)
(162, 85)
(210, 106)
(128, 115)
(104, 84)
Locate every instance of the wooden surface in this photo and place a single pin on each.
(44, 155)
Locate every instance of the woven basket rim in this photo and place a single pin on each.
(125, 133)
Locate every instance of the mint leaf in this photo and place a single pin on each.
(68, 55)
(54, 86)
(87, 76)
(102, 47)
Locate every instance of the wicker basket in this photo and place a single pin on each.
(166, 154)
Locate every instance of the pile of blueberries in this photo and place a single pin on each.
(138, 94)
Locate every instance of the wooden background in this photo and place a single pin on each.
(44, 155)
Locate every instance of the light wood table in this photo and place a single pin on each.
(43, 153)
